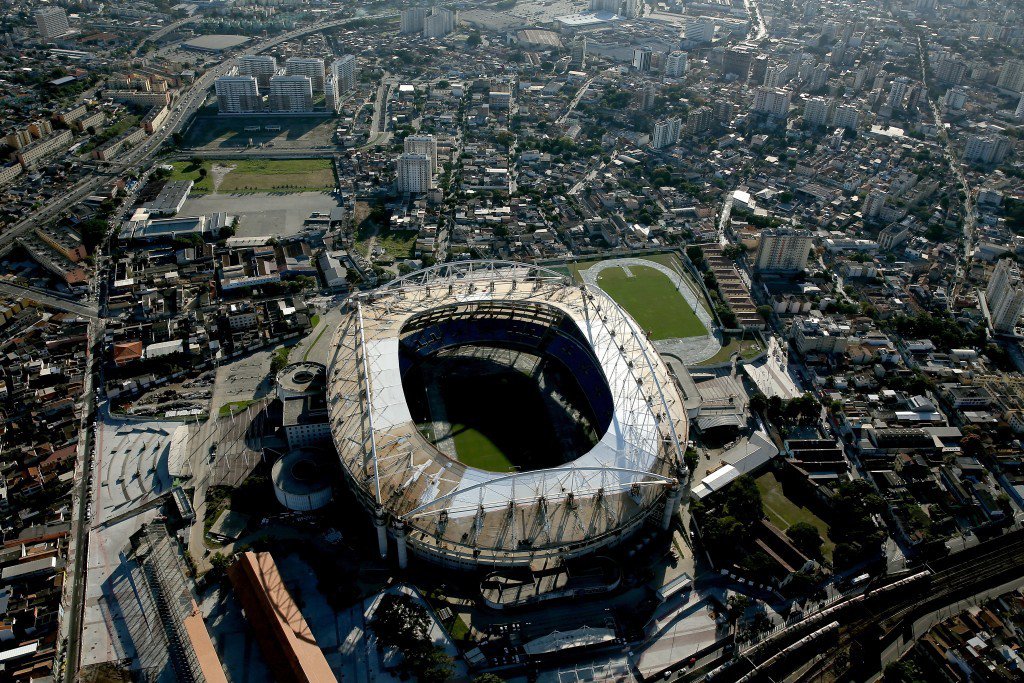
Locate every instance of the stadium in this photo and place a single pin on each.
(493, 414)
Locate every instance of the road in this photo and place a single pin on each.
(757, 25)
(78, 551)
(50, 299)
(967, 238)
(575, 101)
(181, 112)
(185, 107)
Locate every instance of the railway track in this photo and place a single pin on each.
(943, 587)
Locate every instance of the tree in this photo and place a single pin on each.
(695, 254)
(474, 39)
(765, 311)
(488, 678)
(736, 606)
(400, 620)
(93, 231)
(806, 537)
(691, 458)
(428, 663)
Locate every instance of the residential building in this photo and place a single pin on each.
(344, 71)
(666, 133)
(873, 204)
(291, 94)
(699, 30)
(818, 111)
(423, 144)
(440, 22)
(676, 64)
(1011, 76)
(1019, 113)
(579, 52)
(51, 22)
(773, 76)
(1005, 296)
(34, 152)
(310, 67)
(987, 149)
(783, 250)
(846, 116)
(263, 67)
(772, 101)
(237, 95)
(414, 174)
(700, 120)
(413, 20)
(642, 59)
(897, 91)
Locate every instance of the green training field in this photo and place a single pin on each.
(259, 175)
(278, 175)
(651, 298)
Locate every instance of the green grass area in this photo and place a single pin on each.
(398, 243)
(748, 348)
(259, 175)
(784, 513)
(111, 132)
(234, 407)
(278, 175)
(315, 320)
(651, 298)
(184, 170)
(309, 349)
(458, 629)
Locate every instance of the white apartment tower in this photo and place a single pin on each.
(699, 30)
(846, 116)
(987, 149)
(1011, 76)
(414, 174)
(773, 76)
(772, 101)
(51, 22)
(237, 95)
(1019, 114)
(676, 64)
(818, 111)
(263, 67)
(783, 250)
(423, 144)
(873, 204)
(291, 94)
(666, 133)
(413, 20)
(310, 67)
(1005, 296)
(440, 22)
(344, 71)
(897, 91)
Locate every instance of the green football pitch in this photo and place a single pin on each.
(502, 428)
(651, 298)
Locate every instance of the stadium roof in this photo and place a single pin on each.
(634, 461)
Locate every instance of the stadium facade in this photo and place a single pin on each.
(450, 513)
